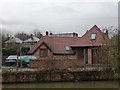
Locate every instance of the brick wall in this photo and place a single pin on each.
(74, 56)
(89, 56)
(59, 64)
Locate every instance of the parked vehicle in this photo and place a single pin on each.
(11, 60)
(25, 59)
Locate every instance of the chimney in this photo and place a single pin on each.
(51, 34)
(8, 38)
(106, 31)
(31, 35)
(74, 34)
(46, 33)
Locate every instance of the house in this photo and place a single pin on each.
(70, 47)
(13, 41)
(31, 40)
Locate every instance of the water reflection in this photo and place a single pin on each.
(80, 84)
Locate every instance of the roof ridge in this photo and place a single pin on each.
(60, 37)
(95, 26)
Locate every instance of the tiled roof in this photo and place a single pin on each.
(30, 40)
(14, 40)
(57, 44)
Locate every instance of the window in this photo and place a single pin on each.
(93, 36)
(67, 48)
(43, 52)
(86, 56)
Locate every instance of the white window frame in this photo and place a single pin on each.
(67, 48)
(93, 36)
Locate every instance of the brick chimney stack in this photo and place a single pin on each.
(50, 33)
(75, 35)
(46, 33)
(106, 31)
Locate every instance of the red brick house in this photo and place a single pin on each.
(70, 47)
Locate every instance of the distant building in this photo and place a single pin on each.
(13, 40)
(31, 40)
(64, 34)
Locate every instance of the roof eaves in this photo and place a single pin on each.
(31, 52)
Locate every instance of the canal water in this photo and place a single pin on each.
(80, 84)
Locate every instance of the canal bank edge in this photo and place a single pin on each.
(56, 75)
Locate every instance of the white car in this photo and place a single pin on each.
(10, 60)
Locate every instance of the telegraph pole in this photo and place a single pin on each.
(20, 60)
(84, 60)
(17, 60)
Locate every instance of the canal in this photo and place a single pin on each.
(80, 84)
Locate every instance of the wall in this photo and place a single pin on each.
(43, 76)
(91, 58)
(74, 56)
(60, 64)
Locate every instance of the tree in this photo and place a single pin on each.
(118, 59)
(23, 36)
(25, 49)
(108, 53)
(37, 33)
(5, 35)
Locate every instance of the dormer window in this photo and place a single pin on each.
(93, 36)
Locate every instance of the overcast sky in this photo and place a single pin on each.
(57, 16)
